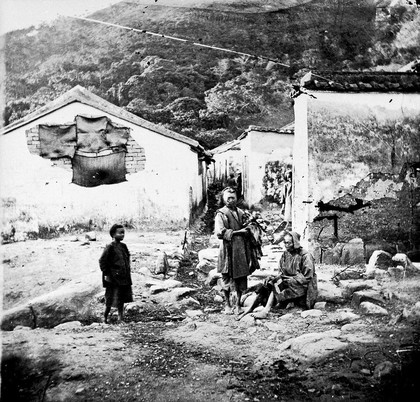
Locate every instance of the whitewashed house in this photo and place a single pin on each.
(261, 155)
(80, 158)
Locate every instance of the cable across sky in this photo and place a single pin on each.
(187, 41)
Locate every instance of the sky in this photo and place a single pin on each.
(18, 14)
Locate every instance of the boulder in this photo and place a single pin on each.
(312, 347)
(272, 326)
(213, 277)
(71, 302)
(353, 327)
(345, 317)
(193, 313)
(320, 305)
(135, 307)
(328, 292)
(22, 328)
(218, 299)
(164, 285)
(353, 253)
(351, 286)
(91, 236)
(379, 260)
(370, 248)
(367, 295)
(311, 313)
(205, 267)
(181, 292)
(360, 337)
(68, 325)
(401, 259)
(369, 308)
(349, 273)
(209, 254)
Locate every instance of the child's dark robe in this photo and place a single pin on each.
(115, 263)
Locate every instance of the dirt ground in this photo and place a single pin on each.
(167, 353)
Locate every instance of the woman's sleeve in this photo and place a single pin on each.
(281, 269)
(220, 229)
(307, 269)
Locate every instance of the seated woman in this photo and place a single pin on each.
(296, 281)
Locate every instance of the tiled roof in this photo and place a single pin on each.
(234, 145)
(361, 81)
(287, 129)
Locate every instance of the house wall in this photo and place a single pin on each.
(162, 192)
(357, 153)
(261, 148)
(226, 163)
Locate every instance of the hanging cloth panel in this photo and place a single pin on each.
(117, 136)
(57, 141)
(91, 133)
(91, 171)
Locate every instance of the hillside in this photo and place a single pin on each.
(206, 94)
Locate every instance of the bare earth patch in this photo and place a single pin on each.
(165, 353)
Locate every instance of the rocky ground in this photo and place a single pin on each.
(361, 342)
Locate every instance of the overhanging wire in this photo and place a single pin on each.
(143, 31)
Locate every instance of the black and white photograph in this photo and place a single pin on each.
(210, 200)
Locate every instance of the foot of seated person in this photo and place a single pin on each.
(228, 310)
(238, 310)
(260, 314)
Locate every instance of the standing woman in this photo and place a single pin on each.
(234, 250)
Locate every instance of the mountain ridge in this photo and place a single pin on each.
(211, 96)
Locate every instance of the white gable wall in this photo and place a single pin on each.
(161, 191)
(226, 161)
(263, 147)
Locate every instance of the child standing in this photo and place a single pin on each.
(116, 275)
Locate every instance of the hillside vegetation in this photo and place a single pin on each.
(206, 94)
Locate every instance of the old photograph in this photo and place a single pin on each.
(210, 200)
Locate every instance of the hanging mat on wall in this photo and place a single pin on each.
(91, 133)
(117, 136)
(90, 170)
(57, 141)
(95, 134)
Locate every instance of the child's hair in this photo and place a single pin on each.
(114, 229)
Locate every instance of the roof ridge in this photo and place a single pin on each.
(80, 94)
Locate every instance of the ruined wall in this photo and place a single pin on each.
(363, 169)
